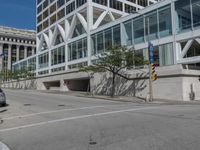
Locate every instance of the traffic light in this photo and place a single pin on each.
(153, 73)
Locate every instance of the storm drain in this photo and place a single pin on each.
(61, 105)
(92, 141)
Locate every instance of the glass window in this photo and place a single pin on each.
(60, 3)
(128, 33)
(116, 35)
(108, 39)
(45, 24)
(80, 2)
(45, 14)
(85, 47)
(100, 42)
(21, 52)
(116, 4)
(74, 51)
(129, 8)
(53, 8)
(143, 3)
(183, 15)
(53, 19)
(102, 2)
(70, 8)
(61, 14)
(39, 28)
(151, 26)
(196, 12)
(45, 4)
(166, 55)
(94, 45)
(69, 52)
(163, 55)
(138, 30)
(80, 49)
(194, 50)
(58, 56)
(39, 19)
(39, 1)
(165, 23)
(43, 60)
(39, 9)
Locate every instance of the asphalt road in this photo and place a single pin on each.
(44, 121)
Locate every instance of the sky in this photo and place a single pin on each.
(18, 13)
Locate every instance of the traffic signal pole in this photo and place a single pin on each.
(150, 62)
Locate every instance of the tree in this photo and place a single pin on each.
(115, 61)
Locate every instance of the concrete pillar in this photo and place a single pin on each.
(1, 58)
(89, 27)
(25, 51)
(33, 50)
(9, 57)
(17, 52)
(63, 86)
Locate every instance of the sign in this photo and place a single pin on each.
(151, 48)
(2, 55)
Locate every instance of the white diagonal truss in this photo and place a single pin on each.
(183, 58)
(100, 12)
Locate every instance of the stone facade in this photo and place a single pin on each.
(15, 45)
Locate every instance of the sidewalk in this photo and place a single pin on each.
(117, 98)
(125, 98)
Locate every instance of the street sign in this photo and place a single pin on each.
(151, 48)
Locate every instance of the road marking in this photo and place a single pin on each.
(74, 118)
(56, 111)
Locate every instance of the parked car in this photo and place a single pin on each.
(2, 98)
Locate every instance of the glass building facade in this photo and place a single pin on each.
(170, 25)
(187, 15)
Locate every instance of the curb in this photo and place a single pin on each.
(117, 99)
(3, 146)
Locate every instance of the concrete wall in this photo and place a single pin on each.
(173, 83)
(65, 79)
(21, 84)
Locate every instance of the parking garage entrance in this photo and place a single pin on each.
(78, 84)
(70, 84)
(53, 85)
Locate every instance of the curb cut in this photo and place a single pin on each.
(3, 146)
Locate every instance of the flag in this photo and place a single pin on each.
(2, 55)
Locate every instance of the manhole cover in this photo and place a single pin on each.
(27, 104)
(92, 143)
(61, 105)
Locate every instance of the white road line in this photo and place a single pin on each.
(55, 111)
(73, 118)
